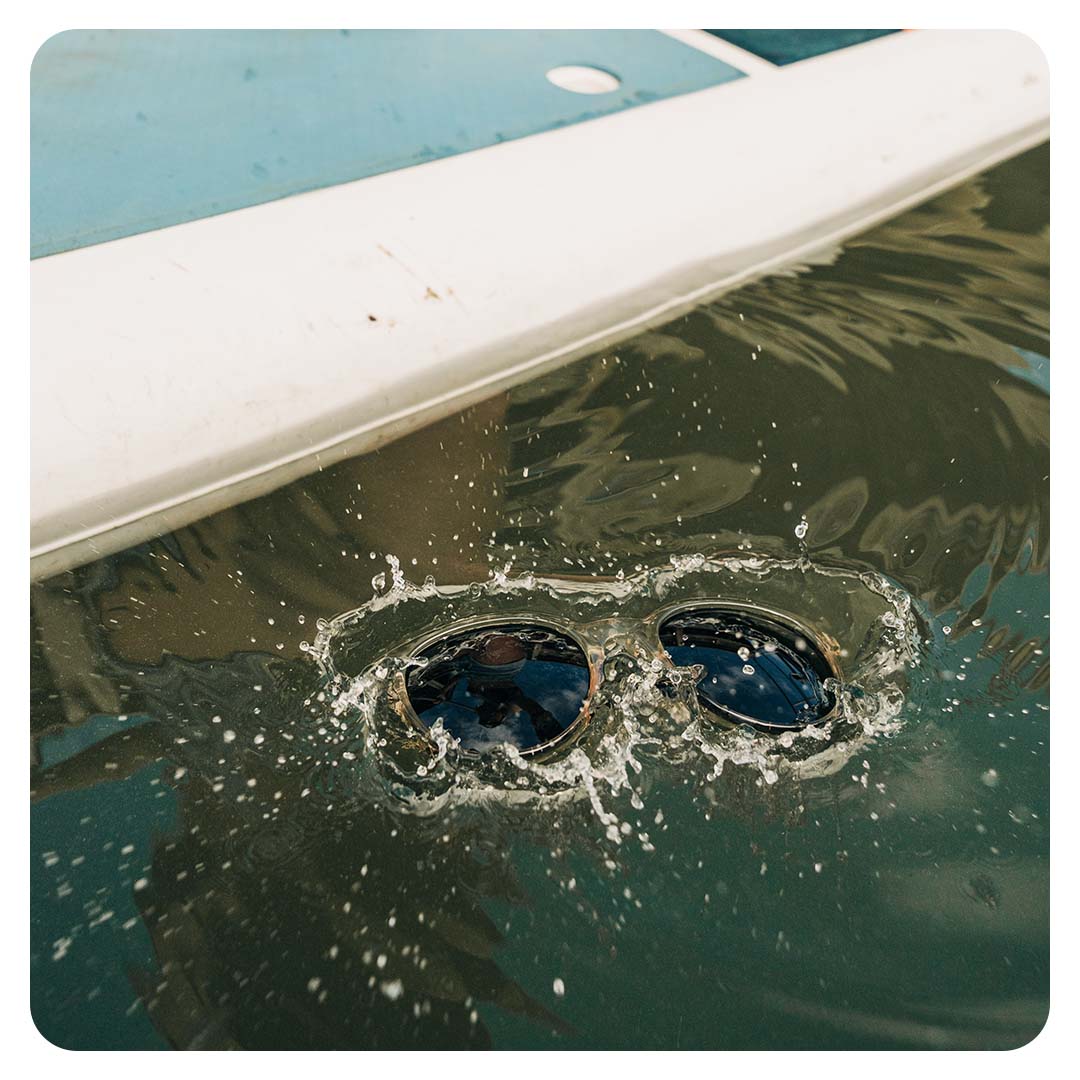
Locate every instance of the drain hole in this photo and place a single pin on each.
(580, 79)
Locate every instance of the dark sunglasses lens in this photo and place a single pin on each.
(756, 672)
(521, 684)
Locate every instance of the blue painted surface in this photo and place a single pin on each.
(790, 46)
(136, 130)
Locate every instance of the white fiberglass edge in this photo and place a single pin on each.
(180, 371)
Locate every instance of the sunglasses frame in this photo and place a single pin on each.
(590, 638)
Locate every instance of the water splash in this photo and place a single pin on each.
(645, 714)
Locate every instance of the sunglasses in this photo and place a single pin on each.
(528, 683)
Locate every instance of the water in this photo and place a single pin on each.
(234, 842)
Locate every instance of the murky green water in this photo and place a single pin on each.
(225, 854)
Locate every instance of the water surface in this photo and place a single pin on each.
(224, 855)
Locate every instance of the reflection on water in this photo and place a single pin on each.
(205, 873)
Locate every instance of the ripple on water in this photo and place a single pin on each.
(644, 716)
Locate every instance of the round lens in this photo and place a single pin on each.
(522, 685)
(757, 671)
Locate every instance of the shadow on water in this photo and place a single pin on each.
(204, 874)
